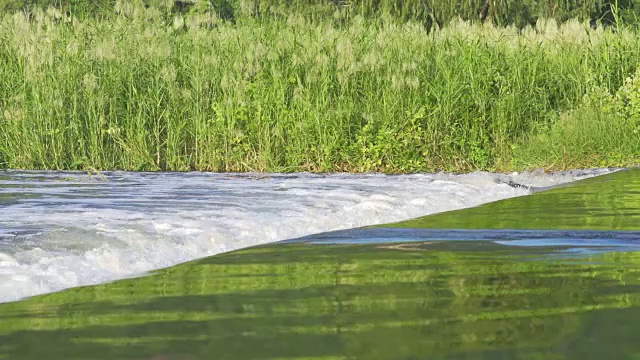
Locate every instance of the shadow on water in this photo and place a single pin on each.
(402, 294)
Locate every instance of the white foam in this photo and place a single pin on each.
(60, 230)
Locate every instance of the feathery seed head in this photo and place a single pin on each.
(15, 114)
(178, 22)
(89, 82)
(168, 73)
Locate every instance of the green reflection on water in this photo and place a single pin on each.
(608, 202)
(445, 300)
(413, 300)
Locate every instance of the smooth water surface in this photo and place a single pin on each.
(418, 300)
(65, 229)
(487, 289)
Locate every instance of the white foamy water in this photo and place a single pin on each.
(65, 229)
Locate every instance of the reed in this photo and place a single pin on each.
(136, 92)
(430, 12)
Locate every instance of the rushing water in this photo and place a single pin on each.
(65, 229)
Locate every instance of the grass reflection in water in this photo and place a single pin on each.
(297, 300)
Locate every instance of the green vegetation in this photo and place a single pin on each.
(432, 13)
(149, 88)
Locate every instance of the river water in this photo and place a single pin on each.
(66, 229)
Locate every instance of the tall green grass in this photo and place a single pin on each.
(603, 130)
(134, 92)
(432, 13)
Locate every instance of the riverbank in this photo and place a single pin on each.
(291, 94)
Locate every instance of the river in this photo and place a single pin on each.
(66, 229)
